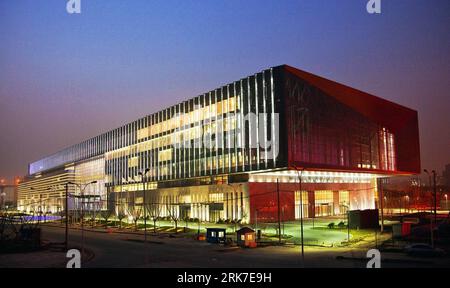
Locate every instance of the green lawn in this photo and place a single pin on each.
(315, 231)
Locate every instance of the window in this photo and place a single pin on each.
(344, 198)
(323, 196)
(304, 202)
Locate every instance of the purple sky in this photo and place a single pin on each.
(65, 78)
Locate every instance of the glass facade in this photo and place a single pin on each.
(87, 172)
(324, 132)
(228, 130)
(250, 132)
(46, 194)
(264, 121)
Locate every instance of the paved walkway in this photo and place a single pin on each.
(128, 250)
(39, 259)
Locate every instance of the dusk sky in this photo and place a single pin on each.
(68, 77)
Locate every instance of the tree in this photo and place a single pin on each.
(13, 224)
(120, 215)
(96, 206)
(6, 226)
(186, 220)
(244, 215)
(173, 211)
(153, 211)
(92, 214)
(106, 214)
(236, 222)
(136, 213)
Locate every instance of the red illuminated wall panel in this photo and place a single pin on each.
(334, 127)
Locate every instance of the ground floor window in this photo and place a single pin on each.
(304, 202)
(344, 202)
(323, 203)
(215, 215)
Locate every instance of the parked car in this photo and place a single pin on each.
(421, 249)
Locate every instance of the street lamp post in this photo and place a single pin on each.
(66, 232)
(142, 174)
(53, 189)
(347, 208)
(40, 205)
(434, 191)
(435, 196)
(279, 212)
(299, 172)
(429, 185)
(82, 187)
(256, 220)
(199, 207)
(348, 224)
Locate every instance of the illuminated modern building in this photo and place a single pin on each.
(239, 151)
(8, 193)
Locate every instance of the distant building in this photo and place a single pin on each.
(238, 153)
(446, 176)
(8, 194)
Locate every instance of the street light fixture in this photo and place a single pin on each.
(40, 205)
(434, 190)
(347, 208)
(431, 220)
(58, 205)
(82, 187)
(299, 173)
(142, 174)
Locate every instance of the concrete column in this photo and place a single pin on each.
(232, 211)
(225, 205)
(311, 204)
(336, 203)
(237, 203)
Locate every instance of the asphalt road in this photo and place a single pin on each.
(128, 250)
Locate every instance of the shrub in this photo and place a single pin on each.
(331, 225)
